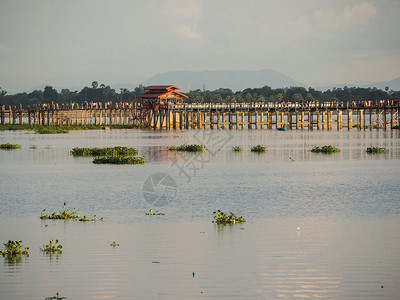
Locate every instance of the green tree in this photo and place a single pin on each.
(95, 84)
(50, 94)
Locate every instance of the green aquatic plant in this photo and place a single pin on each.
(13, 248)
(259, 149)
(222, 218)
(109, 151)
(376, 150)
(90, 218)
(188, 148)
(119, 160)
(56, 297)
(66, 215)
(52, 247)
(8, 146)
(237, 149)
(50, 130)
(328, 149)
(62, 215)
(154, 213)
(114, 244)
(33, 147)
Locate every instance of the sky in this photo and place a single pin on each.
(316, 42)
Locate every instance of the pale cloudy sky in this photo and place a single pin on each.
(317, 42)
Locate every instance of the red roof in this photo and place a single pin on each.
(159, 91)
(162, 87)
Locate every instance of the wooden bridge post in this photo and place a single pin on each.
(339, 120)
(330, 113)
(350, 119)
(2, 117)
(384, 117)
(20, 114)
(361, 119)
(249, 117)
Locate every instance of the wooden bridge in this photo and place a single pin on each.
(313, 115)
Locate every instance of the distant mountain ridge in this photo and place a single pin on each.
(392, 84)
(235, 80)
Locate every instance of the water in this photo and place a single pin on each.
(346, 205)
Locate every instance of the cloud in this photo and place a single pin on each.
(331, 20)
(189, 32)
(5, 49)
(184, 8)
(186, 14)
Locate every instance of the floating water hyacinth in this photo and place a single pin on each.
(259, 149)
(188, 148)
(8, 146)
(222, 218)
(376, 150)
(328, 149)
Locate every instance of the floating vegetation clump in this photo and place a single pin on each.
(90, 218)
(237, 149)
(13, 248)
(56, 297)
(114, 244)
(328, 149)
(188, 148)
(376, 150)
(52, 247)
(8, 146)
(154, 213)
(66, 215)
(119, 160)
(109, 151)
(111, 155)
(222, 218)
(259, 149)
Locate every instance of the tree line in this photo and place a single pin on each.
(103, 93)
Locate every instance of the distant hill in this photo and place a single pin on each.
(211, 80)
(392, 84)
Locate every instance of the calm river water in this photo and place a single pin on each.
(318, 226)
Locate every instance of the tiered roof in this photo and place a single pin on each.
(162, 92)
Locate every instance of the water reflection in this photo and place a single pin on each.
(345, 204)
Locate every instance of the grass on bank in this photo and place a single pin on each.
(57, 129)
